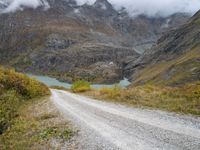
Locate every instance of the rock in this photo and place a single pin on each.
(100, 72)
(57, 42)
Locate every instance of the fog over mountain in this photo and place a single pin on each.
(14, 5)
(153, 7)
(98, 42)
(134, 7)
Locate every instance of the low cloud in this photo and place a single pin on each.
(14, 5)
(150, 8)
(153, 8)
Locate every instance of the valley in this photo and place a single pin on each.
(71, 42)
(99, 74)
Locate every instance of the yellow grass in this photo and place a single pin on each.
(184, 99)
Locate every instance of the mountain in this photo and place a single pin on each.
(68, 41)
(174, 60)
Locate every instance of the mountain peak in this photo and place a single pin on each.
(3, 5)
(101, 1)
(103, 4)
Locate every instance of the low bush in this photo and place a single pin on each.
(22, 84)
(80, 86)
(9, 102)
(47, 133)
(111, 93)
(15, 89)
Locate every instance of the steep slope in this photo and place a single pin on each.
(70, 41)
(175, 60)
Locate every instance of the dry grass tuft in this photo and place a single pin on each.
(185, 99)
(80, 86)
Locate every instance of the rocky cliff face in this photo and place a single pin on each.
(174, 60)
(70, 41)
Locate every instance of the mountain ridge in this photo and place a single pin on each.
(175, 57)
(61, 33)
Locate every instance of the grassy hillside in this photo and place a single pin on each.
(16, 89)
(184, 69)
(168, 85)
(28, 119)
(173, 61)
(185, 99)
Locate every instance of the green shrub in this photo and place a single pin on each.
(81, 86)
(47, 133)
(9, 101)
(22, 84)
(15, 88)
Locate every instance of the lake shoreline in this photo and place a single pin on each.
(50, 81)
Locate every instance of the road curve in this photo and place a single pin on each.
(110, 126)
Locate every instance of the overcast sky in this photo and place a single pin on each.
(153, 7)
(134, 7)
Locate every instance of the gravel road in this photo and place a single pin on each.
(107, 126)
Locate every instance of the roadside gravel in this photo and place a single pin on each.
(107, 126)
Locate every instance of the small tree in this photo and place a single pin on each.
(80, 86)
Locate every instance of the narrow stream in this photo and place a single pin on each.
(49, 81)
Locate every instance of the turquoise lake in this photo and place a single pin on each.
(49, 81)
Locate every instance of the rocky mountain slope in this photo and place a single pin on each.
(174, 60)
(93, 42)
